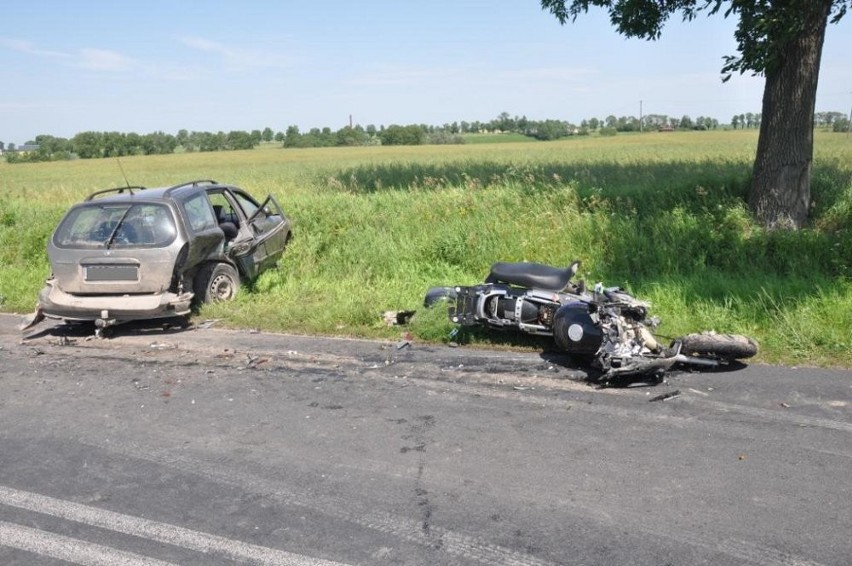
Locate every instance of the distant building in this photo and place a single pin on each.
(27, 148)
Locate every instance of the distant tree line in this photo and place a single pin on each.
(837, 121)
(414, 134)
(92, 145)
(545, 130)
(747, 120)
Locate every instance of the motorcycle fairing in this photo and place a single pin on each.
(578, 329)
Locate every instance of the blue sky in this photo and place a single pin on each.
(130, 66)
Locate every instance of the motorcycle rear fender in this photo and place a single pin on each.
(468, 309)
(470, 304)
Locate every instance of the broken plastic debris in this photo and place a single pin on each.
(666, 396)
(254, 361)
(394, 318)
(31, 320)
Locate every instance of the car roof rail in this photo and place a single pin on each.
(193, 184)
(119, 190)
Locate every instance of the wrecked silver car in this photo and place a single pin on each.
(132, 253)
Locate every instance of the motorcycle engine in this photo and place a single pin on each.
(574, 329)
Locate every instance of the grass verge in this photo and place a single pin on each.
(660, 214)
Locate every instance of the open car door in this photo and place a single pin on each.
(269, 229)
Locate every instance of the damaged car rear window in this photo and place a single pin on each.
(145, 225)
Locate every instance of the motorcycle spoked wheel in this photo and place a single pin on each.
(719, 346)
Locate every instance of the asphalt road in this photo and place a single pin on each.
(206, 446)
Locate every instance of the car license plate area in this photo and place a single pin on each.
(94, 273)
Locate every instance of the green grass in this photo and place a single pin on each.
(661, 214)
(497, 138)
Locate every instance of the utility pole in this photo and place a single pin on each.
(640, 115)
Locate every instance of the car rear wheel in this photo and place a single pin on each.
(216, 282)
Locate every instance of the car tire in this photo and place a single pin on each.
(216, 282)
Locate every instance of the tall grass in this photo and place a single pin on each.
(661, 214)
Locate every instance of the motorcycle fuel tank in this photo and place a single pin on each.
(574, 331)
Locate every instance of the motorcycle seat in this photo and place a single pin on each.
(538, 275)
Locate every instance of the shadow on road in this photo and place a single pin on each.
(163, 326)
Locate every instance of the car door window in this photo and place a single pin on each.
(199, 213)
(263, 218)
(248, 204)
(224, 208)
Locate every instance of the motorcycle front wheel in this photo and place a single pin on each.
(719, 346)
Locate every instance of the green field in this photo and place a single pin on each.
(661, 214)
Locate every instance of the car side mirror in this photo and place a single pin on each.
(230, 230)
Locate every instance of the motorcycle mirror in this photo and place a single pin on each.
(574, 267)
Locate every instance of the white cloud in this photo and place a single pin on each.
(237, 58)
(104, 60)
(24, 46)
(206, 45)
(86, 58)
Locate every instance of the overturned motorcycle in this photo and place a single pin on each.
(605, 324)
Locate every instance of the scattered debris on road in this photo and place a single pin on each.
(254, 361)
(666, 396)
(395, 318)
(206, 324)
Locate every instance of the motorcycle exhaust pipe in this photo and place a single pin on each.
(692, 360)
(683, 359)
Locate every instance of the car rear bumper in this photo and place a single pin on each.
(56, 303)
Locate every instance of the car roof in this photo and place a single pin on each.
(129, 193)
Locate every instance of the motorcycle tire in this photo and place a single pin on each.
(720, 346)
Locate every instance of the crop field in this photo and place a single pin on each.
(661, 214)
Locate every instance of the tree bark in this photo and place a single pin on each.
(781, 184)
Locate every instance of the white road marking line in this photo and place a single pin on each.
(68, 549)
(399, 526)
(154, 530)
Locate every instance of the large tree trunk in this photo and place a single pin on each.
(781, 185)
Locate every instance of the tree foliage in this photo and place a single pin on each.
(765, 26)
(89, 145)
(779, 39)
(403, 135)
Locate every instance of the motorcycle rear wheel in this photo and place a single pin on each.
(720, 346)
